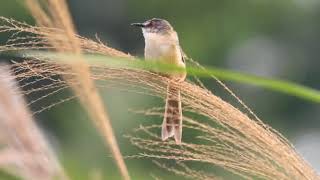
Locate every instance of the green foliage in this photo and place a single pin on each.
(6, 176)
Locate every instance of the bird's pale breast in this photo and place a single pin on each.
(164, 48)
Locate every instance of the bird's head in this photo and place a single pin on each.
(155, 25)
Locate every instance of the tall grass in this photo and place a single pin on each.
(24, 149)
(228, 137)
(59, 17)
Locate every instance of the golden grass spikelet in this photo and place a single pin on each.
(24, 150)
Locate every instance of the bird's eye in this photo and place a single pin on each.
(149, 24)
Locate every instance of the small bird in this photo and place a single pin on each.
(162, 44)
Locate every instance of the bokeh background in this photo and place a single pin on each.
(271, 38)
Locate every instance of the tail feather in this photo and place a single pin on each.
(172, 122)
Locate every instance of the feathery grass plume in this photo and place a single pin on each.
(182, 169)
(24, 149)
(67, 41)
(229, 138)
(39, 37)
(226, 137)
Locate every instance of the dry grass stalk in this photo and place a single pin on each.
(85, 88)
(48, 38)
(183, 170)
(24, 151)
(229, 138)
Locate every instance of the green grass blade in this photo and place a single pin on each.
(282, 86)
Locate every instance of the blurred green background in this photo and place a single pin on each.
(271, 38)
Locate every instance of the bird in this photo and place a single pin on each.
(162, 44)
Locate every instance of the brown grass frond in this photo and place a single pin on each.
(66, 40)
(42, 38)
(24, 149)
(247, 108)
(182, 169)
(225, 136)
(229, 147)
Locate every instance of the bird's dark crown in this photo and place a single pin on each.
(155, 25)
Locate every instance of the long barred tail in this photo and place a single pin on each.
(172, 122)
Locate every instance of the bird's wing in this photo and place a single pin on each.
(183, 55)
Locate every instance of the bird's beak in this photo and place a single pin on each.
(138, 24)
